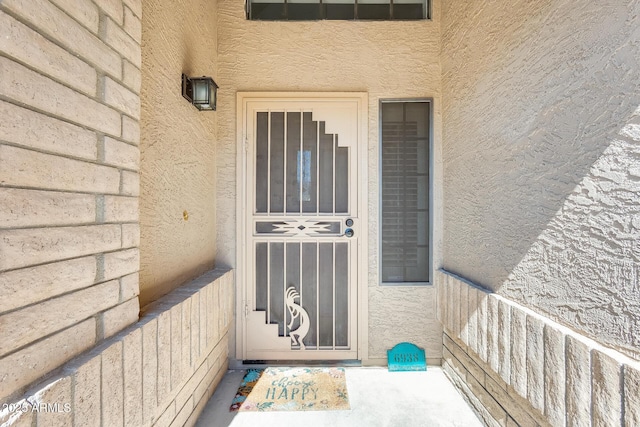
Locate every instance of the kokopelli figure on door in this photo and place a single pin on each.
(297, 312)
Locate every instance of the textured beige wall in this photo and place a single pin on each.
(178, 146)
(541, 158)
(385, 59)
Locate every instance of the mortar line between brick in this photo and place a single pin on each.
(59, 44)
(61, 119)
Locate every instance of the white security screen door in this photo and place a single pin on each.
(302, 229)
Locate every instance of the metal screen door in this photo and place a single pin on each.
(302, 230)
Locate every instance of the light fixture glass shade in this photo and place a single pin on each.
(200, 91)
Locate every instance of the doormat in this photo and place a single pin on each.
(292, 389)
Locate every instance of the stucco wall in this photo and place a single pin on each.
(541, 158)
(385, 59)
(178, 146)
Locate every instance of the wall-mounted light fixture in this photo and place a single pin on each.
(202, 92)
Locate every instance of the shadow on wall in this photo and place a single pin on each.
(542, 161)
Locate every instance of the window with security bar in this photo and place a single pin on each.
(405, 192)
(312, 10)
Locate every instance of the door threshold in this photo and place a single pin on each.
(249, 364)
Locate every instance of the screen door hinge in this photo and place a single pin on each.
(246, 310)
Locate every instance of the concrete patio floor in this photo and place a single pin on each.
(378, 398)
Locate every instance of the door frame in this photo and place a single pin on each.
(242, 210)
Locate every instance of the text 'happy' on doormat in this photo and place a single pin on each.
(292, 389)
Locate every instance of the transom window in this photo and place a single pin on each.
(310, 10)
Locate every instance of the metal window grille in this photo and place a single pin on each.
(311, 10)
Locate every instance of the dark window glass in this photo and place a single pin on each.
(308, 10)
(405, 192)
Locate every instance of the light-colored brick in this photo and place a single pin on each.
(133, 378)
(135, 6)
(464, 313)
(554, 375)
(34, 130)
(195, 329)
(132, 77)
(472, 327)
(167, 416)
(454, 306)
(113, 8)
(130, 130)
(85, 12)
(129, 287)
(30, 208)
(26, 247)
(25, 168)
(504, 341)
(149, 370)
(130, 183)
(482, 325)
(130, 235)
(24, 326)
(535, 362)
(122, 42)
(132, 25)
(121, 98)
(121, 263)
(578, 385)
(56, 394)
(120, 209)
(488, 401)
(56, 24)
(29, 47)
(26, 86)
(29, 285)
(631, 395)
(186, 337)
(176, 346)
(121, 154)
(87, 384)
(197, 374)
(119, 317)
(183, 414)
(605, 390)
(25, 366)
(112, 386)
(518, 365)
(164, 356)
(203, 320)
(492, 333)
(509, 404)
(469, 364)
(22, 418)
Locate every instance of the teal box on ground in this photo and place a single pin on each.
(406, 357)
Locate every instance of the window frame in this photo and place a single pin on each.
(430, 199)
(428, 14)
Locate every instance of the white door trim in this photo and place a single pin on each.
(243, 98)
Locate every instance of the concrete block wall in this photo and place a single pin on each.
(516, 367)
(159, 372)
(69, 184)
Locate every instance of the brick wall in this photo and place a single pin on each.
(159, 372)
(516, 367)
(69, 184)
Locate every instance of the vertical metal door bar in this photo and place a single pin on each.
(301, 165)
(317, 295)
(317, 167)
(333, 148)
(284, 172)
(269, 163)
(284, 287)
(334, 295)
(269, 282)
